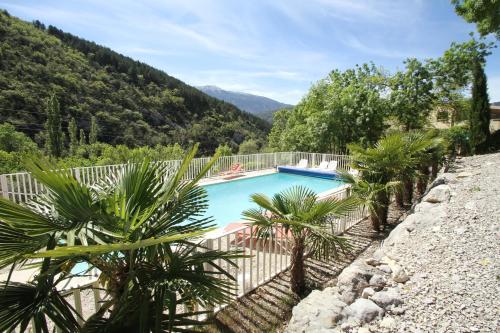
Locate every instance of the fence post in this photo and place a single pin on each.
(77, 174)
(97, 295)
(209, 244)
(78, 305)
(5, 187)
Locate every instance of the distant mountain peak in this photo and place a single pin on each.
(260, 106)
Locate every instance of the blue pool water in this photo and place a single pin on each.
(228, 199)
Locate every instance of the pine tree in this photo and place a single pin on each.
(54, 128)
(73, 136)
(83, 139)
(479, 116)
(94, 130)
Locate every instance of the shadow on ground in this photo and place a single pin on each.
(269, 307)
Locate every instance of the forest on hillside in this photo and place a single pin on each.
(134, 104)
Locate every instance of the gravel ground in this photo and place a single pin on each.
(454, 262)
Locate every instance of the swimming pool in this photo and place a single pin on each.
(228, 199)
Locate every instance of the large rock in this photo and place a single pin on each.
(319, 311)
(353, 278)
(387, 298)
(377, 281)
(440, 193)
(363, 310)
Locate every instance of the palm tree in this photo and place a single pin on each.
(417, 151)
(380, 169)
(373, 196)
(140, 228)
(305, 218)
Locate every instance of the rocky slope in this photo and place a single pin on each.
(438, 271)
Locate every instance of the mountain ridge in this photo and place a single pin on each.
(261, 106)
(135, 104)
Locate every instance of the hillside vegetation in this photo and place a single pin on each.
(134, 104)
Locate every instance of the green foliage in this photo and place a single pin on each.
(224, 150)
(391, 164)
(485, 13)
(248, 147)
(452, 74)
(280, 120)
(55, 144)
(411, 94)
(73, 136)
(344, 107)
(133, 103)
(479, 118)
(94, 131)
(13, 141)
(83, 138)
(298, 211)
(138, 228)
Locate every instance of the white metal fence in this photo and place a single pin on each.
(21, 186)
(266, 257)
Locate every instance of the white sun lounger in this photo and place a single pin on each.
(302, 163)
(323, 165)
(332, 165)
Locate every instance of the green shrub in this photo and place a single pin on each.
(458, 141)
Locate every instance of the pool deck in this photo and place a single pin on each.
(235, 176)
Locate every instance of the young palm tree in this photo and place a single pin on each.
(417, 145)
(373, 196)
(380, 168)
(140, 228)
(305, 218)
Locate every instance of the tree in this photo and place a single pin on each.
(280, 119)
(13, 141)
(248, 147)
(73, 136)
(94, 130)
(347, 106)
(485, 13)
(140, 228)
(224, 150)
(83, 139)
(479, 118)
(411, 94)
(54, 128)
(452, 73)
(300, 214)
(381, 168)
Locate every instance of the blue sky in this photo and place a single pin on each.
(274, 48)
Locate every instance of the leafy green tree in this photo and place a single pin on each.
(479, 118)
(94, 130)
(139, 228)
(53, 126)
(452, 75)
(83, 139)
(73, 136)
(411, 94)
(485, 13)
(248, 147)
(345, 107)
(13, 141)
(306, 219)
(280, 120)
(224, 150)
